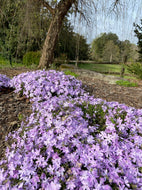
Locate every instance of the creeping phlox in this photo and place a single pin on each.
(71, 140)
(4, 81)
(42, 85)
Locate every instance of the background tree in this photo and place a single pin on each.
(8, 31)
(23, 27)
(125, 50)
(111, 52)
(98, 45)
(134, 56)
(108, 47)
(138, 34)
(67, 42)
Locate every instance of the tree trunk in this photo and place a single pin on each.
(49, 45)
(110, 60)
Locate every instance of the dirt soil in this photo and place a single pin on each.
(14, 109)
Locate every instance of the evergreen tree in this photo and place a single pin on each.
(98, 45)
(138, 34)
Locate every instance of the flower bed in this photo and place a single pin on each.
(4, 81)
(71, 140)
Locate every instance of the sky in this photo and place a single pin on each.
(105, 20)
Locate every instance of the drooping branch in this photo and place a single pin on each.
(116, 2)
(115, 5)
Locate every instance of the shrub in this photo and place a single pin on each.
(68, 72)
(126, 83)
(31, 58)
(136, 69)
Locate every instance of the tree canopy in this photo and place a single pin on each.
(108, 47)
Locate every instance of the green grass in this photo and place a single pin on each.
(110, 68)
(68, 72)
(126, 77)
(4, 63)
(126, 83)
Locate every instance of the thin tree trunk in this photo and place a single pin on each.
(110, 60)
(49, 45)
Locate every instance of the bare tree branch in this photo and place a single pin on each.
(116, 3)
(115, 6)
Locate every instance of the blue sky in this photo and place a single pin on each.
(128, 12)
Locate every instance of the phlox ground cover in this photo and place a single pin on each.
(4, 81)
(72, 140)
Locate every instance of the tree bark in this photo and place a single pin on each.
(110, 60)
(49, 45)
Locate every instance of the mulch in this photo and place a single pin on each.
(131, 96)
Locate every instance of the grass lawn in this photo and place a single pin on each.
(112, 69)
(102, 67)
(4, 63)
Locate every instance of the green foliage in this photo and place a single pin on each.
(108, 47)
(20, 116)
(95, 115)
(111, 52)
(68, 42)
(31, 58)
(138, 33)
(23, 27)
(68, 72)
(5, 63)
(99, 44)
(126, 83)
(136, 69)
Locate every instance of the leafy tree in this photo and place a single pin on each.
(67, 44)
(108, 47)
(8, 15)
(98, 45)
(66, 41)
(138, 34)
(83, 48)
(23, 27)
(134, 53)
(111, 52)
(125, 50)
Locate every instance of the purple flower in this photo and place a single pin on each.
(4, 81)
(72, 140)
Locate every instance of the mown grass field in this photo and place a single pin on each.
(116, 68)
(108, 69)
